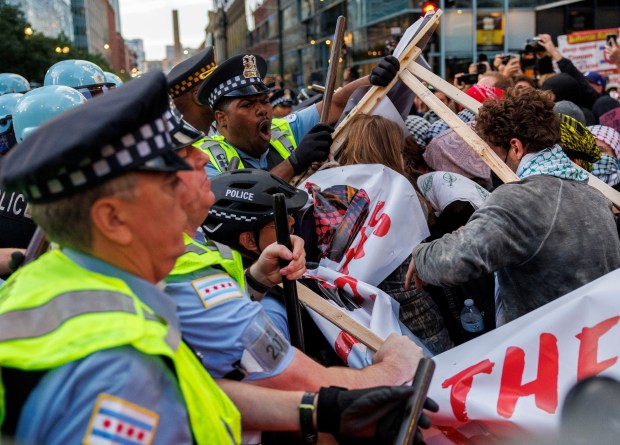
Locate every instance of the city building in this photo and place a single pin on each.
(468, 28)
(49, 17)
(137, 47)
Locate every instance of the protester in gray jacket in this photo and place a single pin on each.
(545, 235)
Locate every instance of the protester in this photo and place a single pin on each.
(244, 119)
(184, 81)
(578, 143)
(608, 141)
(521, 231)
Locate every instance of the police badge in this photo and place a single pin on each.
(249, 66)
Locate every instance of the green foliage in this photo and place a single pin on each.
(31, 55)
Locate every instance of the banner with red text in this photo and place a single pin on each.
(517, 376)
(394, 226)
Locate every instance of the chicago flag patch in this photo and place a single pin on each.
(214, 289)
(116, 421)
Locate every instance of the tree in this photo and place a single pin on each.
(31, 55)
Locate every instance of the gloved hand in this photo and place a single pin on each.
(385, 71)
(17, 258)
(373, 412)
(314, 147)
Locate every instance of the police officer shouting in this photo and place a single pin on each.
(240, 102)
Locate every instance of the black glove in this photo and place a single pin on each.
(385, 71)
(362, 412)
(17, 258)
(314, 147)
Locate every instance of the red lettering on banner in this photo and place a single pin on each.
(460, 384)
(381, 227)
(344, 344)
(587, 363)
(544, 387)
(343, 280)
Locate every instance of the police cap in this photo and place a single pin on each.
(124, 130)
(187, 74)
(241, 75)
(282, 97)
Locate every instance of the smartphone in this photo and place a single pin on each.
(610, 38)
(468, 79)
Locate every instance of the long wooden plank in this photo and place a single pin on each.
(339, 318)
(471, 104)
(332, 71)
(468, 135)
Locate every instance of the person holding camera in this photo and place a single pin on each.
(588, 94)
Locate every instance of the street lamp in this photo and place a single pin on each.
(106, 46)
(28, 31)
(65, 50)
(58, 49)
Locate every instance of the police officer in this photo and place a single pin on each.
(85, 334)
(184, 80)
(84, 76)
(282, 102)
(240, 102)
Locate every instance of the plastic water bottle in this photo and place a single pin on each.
(471, 320)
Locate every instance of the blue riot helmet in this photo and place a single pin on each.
(84, 76)
(13, 83)
(8, 102)
(42, 104)
(112, 78)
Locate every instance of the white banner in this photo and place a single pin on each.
(518, 374)
(394, 226)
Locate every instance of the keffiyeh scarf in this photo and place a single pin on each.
(606, 169)
(551, 161)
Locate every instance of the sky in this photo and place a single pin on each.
(151, 21)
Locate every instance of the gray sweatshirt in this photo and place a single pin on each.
(544, 236)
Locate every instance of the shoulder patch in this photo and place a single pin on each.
(117, 421)
(290, 118)
(214, 289)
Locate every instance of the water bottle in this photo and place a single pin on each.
(471, 320)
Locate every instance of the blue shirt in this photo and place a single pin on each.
(300, 122)
(217, 315)
(121, 388)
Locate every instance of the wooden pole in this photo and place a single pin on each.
(332, 71)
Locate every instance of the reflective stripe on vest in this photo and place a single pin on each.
(82, 312)
(221, 152)
(199, 256)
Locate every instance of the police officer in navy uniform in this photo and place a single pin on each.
(240, 102)
(184, 80)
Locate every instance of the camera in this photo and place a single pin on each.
(481, 68)
(468, 79)
(507, 57)
(610, 38)
(533, 45)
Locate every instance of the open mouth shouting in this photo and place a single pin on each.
(264, 129)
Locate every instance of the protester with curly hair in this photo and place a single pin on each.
(544, 235)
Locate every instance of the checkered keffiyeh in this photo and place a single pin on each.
(608, 135)
(440, 126)
(606, 169)
(418, 127)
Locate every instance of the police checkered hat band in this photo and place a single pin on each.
(232, 216)
(137, 147)
(231, 85)
(281, 100)
(187, 74)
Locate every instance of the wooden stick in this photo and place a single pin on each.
(332, 71)
(468, 135)
(339, 318)
(471, 104)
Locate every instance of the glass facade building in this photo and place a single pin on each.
(468, 29)
(50, 17)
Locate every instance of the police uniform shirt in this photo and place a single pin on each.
(115, 387)
(217, 315)
(300, 122)
(16, 226)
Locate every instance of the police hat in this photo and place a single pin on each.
(282, 97)
(187, 74)
(124, 130)
(241, 75)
